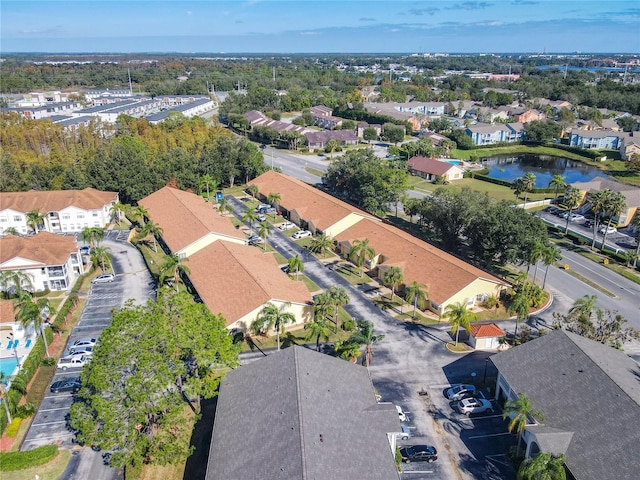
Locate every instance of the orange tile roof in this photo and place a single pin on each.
(444, 274)
(481, 330)
(45, 248)
(185, 217)
(236, 279)
(312, 205)
(7, 313)
(56, 200)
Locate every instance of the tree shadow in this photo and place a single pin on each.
(196, 465)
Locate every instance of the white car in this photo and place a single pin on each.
(286, 226)
(85, 342)
(73, 361)
(403, 417)
(301, 234)
(458, 392)
(608, 230)
(473, 405)
(104, 278)
(576, 217)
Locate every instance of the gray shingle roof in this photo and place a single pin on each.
(586, 388)
(299, 414)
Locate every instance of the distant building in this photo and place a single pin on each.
(319, 140)
(596, 139)
(487, 134)
(432, 169)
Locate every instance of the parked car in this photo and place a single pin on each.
(85, 250)
(608, 230)
(254, 239)
(405, 434)
(285, 268)
(81, 350)
(576, 217)
(73, 361)
(262, 217)
(87, 341)
(70, 384)
(301, 234)
(458, 392)
(261, 206)
(104, 278)
(403, 417)
(473, 405)
(267, 210)
(286, 226)
(418, 453)
(588, 223)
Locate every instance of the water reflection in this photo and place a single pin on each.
(544, 167)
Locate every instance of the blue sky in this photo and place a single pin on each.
(312, 26)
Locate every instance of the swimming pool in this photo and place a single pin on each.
(454, 162)
(7, 366)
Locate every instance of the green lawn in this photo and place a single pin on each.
(499, 192)
(351, 273)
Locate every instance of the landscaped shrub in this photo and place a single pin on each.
(26, 410)
(13, 461)
(48, 362)
(14, 426)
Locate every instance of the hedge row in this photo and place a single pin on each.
(68, 305)
(12, 461)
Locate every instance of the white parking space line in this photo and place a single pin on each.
(490, 435)
(54, 437)
(52, 409)
(47, 423)
(416, 471)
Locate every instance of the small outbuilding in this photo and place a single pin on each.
(485, 336)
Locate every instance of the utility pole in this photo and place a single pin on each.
(130, 87)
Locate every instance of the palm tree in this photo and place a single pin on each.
(557, 182)
(347, 350)
(393, 276)
(224, 206)
(535, 255)
(207, 183)
(252, 190)
(296, 265)
(572, 198)
(264, 231)
(519, 410)
(636, 222)
(519, 305)
(598, 201)
(100, 257)
(615, 205)
(583, 308)
(416, 293)
(16, 278)
(361, 251)
(92, 235)
(528, 182)
(272, 316)
(4, 397)
(11, 231)
(141, 213)
(35, 219)
(249, 215)
(274, 200)
(337, 297)
(172, 269)
(543, 466)
(116, 210)
(322, 245)
(318, 329)
(153, 229)
(30, 312)
(550, 255)
(459, 317)
(331, 146)
(365, 336)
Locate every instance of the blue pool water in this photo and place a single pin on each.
(454, 162)
(7, 366)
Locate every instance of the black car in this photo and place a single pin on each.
(418, 453)
(71, 384)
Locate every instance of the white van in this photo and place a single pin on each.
(73, 361)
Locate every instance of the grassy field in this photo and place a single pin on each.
(48, 471)
(499, 192)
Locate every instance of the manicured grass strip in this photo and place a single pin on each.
(49, 471)
(12, 461)
(311, 286)
(313, 171)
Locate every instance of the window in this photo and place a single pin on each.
(66, 216)
(95, 213)
(80, 216)
(17, 218)
(3, 220)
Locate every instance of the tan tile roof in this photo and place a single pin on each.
(7, 313)
(236, 279)
(444, 274)
(185, 217)
(46, 248)
(312, 204)
(482, 330)
(56, 200)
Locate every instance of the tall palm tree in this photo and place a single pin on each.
(172, 269)
(528, 182)
(416, 293)
(365, 336)
(615, 205)
(264, 230)
(30, 312)
(296, 265)
(459, 317)
(153, 229)
(252, 190)
(337, 297)
(636, 223)
(274, 200)
(598, 201)
(318, 329)
(100, 257)
(543, 466)
(519, 410)
(249, 215)
(550, 255)
(141, 213)
(207, 183)
(224, 206)
(273, 317)
(360, 252)
(322, 245)
(331, 146)
(535, 255)
(92, 235)
(572, 199)
(583, 308)
(558, 183)
(17, 279)
(36, 220)
(117, 210)
(393, 277)
(519, 305)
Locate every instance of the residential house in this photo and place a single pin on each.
(360, 128)
(631, 145)
(573, 381)
(596, 139)
(527, 115)
(388, 109)
(256, 118)
(188, 109)
(327, 122)
(488, 134)
(319, 140)
(45, 111)
(631, 195)
(449, 280)
(321, 111)
(51, 261)
(485, 336)
(432, 169)
(65, 210)
(299, 414)
(435, 138)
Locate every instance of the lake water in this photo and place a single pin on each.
(510, 167)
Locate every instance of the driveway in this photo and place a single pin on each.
(49, 425)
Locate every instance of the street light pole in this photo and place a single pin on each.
(486, 364)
